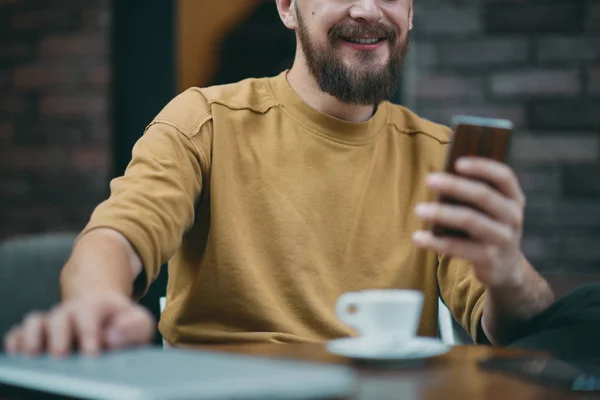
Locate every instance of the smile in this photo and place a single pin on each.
(364, 40)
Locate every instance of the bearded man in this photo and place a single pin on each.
(271, 197)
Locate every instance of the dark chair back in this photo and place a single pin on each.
(30, 269)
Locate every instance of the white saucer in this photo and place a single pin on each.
(379, 349)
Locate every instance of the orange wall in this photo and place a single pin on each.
(201, 26)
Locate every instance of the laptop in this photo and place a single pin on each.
(151, 373)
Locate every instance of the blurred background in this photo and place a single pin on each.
(80, 80)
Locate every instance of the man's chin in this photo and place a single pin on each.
(365, 73)
(358, 66)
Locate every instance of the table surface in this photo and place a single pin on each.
(454, 375)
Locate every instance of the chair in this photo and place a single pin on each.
(445, 324)
(451, 332)
(30, 268)
(162, 303)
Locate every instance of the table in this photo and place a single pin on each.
(454, 375)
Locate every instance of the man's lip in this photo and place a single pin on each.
(380, 38)
(364, 47)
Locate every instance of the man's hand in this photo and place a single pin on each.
(493, 219)
(91, 324)
(494, 222)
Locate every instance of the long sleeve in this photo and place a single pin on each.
(153, 204)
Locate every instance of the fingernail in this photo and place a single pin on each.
(434, 178)
(423, 210)
(463, 163)
(420, 236)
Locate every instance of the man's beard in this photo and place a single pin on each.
(361, 85)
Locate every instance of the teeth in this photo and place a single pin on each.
(364, 41)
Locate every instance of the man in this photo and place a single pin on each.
(272, 197)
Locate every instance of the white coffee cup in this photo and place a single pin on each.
(383, 313)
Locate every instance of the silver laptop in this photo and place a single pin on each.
(154, 373)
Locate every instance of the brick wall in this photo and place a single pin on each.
(538, 65)
(54, 113)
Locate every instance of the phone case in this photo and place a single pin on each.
(475, 136)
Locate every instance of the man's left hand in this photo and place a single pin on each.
(494, 222)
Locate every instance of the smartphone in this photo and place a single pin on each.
(474, 136)
(573, 376)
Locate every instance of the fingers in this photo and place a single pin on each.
(133, 327)
(32, 335)
(12, 341)
(60, 333)
(482, 257)
(465, 249)
(480, 195)
(501, 176)
(40, 333)
(87, 323)
(479, 227)
(28, 338)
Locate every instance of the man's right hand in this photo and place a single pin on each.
(90, 324)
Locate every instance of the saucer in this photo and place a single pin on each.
(381, 349)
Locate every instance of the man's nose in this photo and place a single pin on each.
(366, 10)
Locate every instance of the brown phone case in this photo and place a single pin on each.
(475, 136)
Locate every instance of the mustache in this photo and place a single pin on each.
(353, 30)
